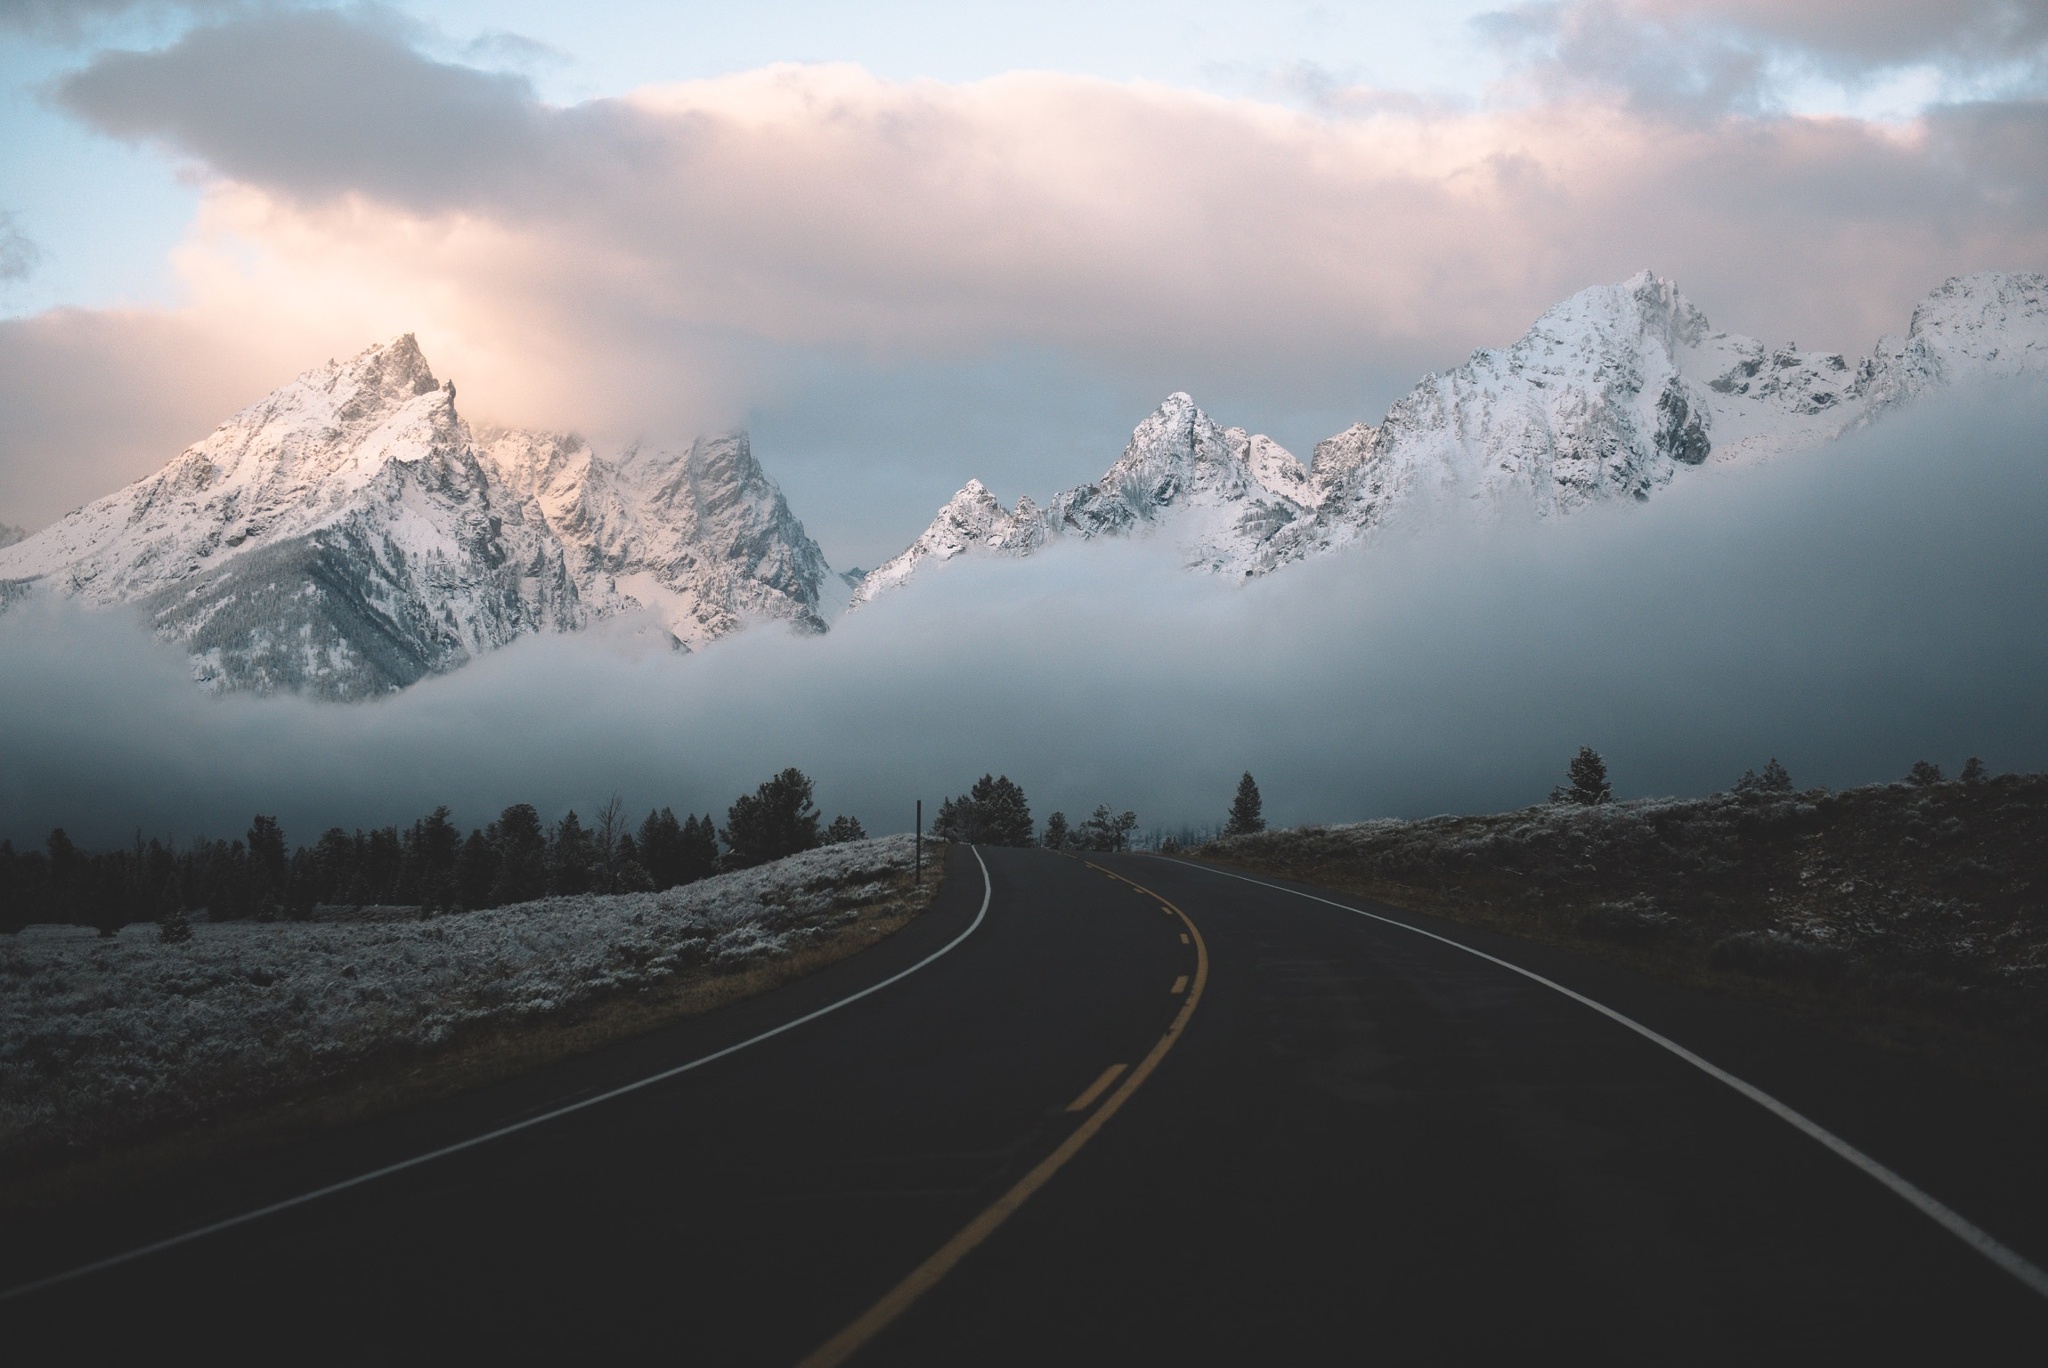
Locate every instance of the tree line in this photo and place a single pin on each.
(429, 864)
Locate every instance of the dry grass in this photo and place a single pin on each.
(470, 1059)
(1918, 915)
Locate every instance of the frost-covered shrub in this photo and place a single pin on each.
(103, 1037)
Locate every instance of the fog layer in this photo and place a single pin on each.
(1847, 610)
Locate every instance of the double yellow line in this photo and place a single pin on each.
(926, 1275)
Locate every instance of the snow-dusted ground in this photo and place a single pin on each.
(101, 1038)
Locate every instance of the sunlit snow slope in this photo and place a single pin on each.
(348, 535)
(1608, 396)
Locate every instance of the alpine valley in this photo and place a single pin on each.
(352, 533)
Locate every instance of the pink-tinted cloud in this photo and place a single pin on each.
(656, 262)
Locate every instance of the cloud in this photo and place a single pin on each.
(19, 256)
(71, 20)
(690, 255)
(317, 103)
(1707, 58)
(1849, 611)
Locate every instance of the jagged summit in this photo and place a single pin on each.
(1224, 490)
(1609, 395)
(350, 534)
(346, 536)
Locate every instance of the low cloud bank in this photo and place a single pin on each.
(1847, 610)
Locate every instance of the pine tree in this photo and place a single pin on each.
(700, 850)
(476, 871)
(1923, 773)
(773, 821)
(957, 820)
(571, 859)
(1776, 778)
(1107, 831)
(844, 829)
(522, 846)
(1056, 837)
(1247, 814)
(1587, 774)
(1004, 818)
(1974, 771)
(660, 848)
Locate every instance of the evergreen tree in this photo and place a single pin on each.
(1775, 779)
(476, 871)
(432, 847)
(1587, 776)
(335, 855)
(661, 848)
(67, 899)
(775, 820)
(1106, 831)
(844, 829)
(268, 867)
(1923, 773)
(174, 927)
(572, 859)
(1056, 837)
(1974, 771)
(700, 849)
(1247, 811)
(522, 847)
(992, 812)
(957, 820)
(1004, 818)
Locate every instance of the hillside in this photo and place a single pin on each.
(1929, 900)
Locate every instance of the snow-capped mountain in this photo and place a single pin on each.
(1225, 490)
(1609, 395)
(702, 537)
(350, 534)
(347, 536)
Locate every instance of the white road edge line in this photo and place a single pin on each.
(100, 1265)
(2007, 1258)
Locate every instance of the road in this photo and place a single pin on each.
(1332, 1139)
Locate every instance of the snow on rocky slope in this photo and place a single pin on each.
(347, 536)
(703, 537)
(101, 1038)
(1226, 491)
(1608, 396)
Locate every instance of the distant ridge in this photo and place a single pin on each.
(350, 534)
(1608, 396)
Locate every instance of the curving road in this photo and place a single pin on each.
(1330, 1139)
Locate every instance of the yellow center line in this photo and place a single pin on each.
(1180, 985)
(927, 1275)
(1096, 1089)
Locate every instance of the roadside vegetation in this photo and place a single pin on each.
(994, 812)
(428, 865)
(1927, 897)
(111, 1039)
(147, 989)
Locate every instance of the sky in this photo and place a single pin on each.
(908, 244)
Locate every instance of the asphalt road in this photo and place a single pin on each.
(1357, 1144)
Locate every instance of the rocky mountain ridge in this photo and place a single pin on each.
(348, 535)
(1609, 395)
